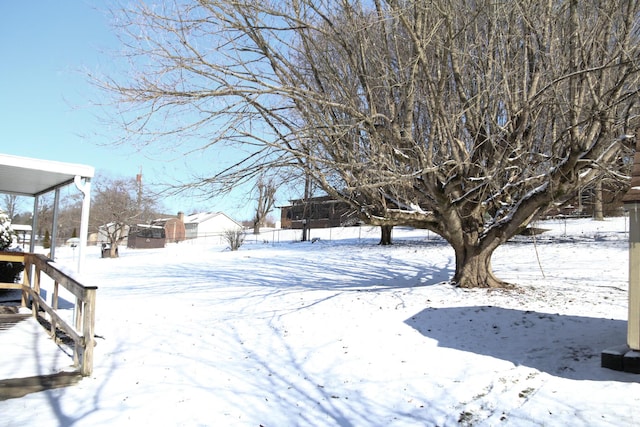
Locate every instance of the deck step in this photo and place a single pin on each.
(19, 387)
(7, 320)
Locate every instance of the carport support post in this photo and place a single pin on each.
(84, 185)
(54, 226)
(627, 357)
(633, 326)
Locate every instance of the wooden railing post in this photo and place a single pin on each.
(35, 303)
(54, 305)
(88, 324)
(26, 281)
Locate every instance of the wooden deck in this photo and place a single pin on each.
(44, 343)
(32, 361)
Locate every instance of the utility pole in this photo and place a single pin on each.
(306, 210)
(139, 188)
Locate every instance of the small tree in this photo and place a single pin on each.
(234, 237)
(9, 271)
(10, 205)
(266, 199)
(118, 203)
(46, 241)
(6, 232)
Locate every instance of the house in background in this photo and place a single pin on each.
(174, 229)
(209, 225)
(206, 225)
(318, 212)
(145, 236)
(104, 231)
(23, 233)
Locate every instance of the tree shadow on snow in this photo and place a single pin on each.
(561, 345)
(352, 269)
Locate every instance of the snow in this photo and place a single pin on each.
(343, 332)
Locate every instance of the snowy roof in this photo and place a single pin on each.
(165, 219)
(197, 218)
(21, 227)
(31, 177)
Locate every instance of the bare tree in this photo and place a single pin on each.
(69, 217)
(10, 205)
(234, 237)
(45, 216)
(465, 118)
(266, 190)
(118, 203)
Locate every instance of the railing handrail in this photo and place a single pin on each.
(82, 333)
(64, 278)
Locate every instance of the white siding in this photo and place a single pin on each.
(209, 224)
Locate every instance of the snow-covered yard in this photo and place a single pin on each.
(343, 332)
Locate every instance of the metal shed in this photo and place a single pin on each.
(24, 176)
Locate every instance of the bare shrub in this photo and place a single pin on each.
(234, 237)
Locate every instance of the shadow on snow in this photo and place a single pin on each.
(304, 269)
(561, 345)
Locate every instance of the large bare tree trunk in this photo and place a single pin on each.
(598, 204)
(113, 251)
(385, 235)
(473, 268)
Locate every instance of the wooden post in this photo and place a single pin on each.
(79, 316)
(35, 304)
(26, 281)
(78, 320)
(54, 305)
(88, 323)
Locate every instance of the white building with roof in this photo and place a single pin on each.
(208, 224)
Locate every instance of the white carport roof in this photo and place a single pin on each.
(32, 177)
(26, 176)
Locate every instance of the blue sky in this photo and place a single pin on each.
(47, 105)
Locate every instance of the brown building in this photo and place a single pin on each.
(174, 228)
(158, 233)
(143, 236)
(319, 212)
